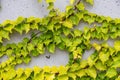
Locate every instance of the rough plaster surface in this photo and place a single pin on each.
(11, 9)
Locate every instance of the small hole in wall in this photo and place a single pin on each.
(42, 5)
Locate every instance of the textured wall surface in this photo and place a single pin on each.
(11, 9)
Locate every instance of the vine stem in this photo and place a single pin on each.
(33, 37)
(39, 32)
(77, 4)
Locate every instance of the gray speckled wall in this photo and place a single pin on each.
(11, 9)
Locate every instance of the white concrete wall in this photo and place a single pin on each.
(11, 9)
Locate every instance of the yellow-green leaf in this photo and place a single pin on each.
(117, 45)
(111, 72)
(81, 73)
(91, 72)
(68, 24)
(81, 6)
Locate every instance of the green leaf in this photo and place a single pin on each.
(9, 28)
(27, 59)
(49, 1)
(116, 57)
(92, 58)
(77, 53)
(19, 72)
(72, 75)
(80, 6)
(8, 22)
(30, 47)
(100, 66)
(23, 77)
(67, 41)
(72, 48)
(61, 46)
(9, 52)
(41, 76)
(63, 77)
(81, 73)
(89, 19)
(40, 48)
(111, 72)
(117, 45)
(45, 21)
(46, 69)
(36, 70)
(49, 76)
(4, 34)
(91, 62)
(79, 15)
(69, 11)
(26, 27)
(57, 39)
(19, 28)
(54, 69)
(19, 61)
(51, 7)
(118, 78)
(34, 52)
(90, 1)
(104, 56)
(108, 19)
(62, 70)
(0, 39)
(68, 24)
(50, 27)
(73, 67)
(47, 42)
(53, 13)
(83, 64)
(77, 33)
(30, 19)
(66, 31)
(11, 74)
(24, 53)
(34, 26)
(96, 46)
(87, 36)
(51, 48)
(117, 21)
(74, 19)
(28, 72)
(91, 72)
(19, 20)
(116, 64)
(68, 8)
(86, 29)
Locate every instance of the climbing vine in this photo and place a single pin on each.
(57, 30)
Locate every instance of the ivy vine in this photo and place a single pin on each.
(57, 30)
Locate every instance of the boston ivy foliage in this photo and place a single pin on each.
(57, 30)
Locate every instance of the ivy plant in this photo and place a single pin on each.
(57, 30)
